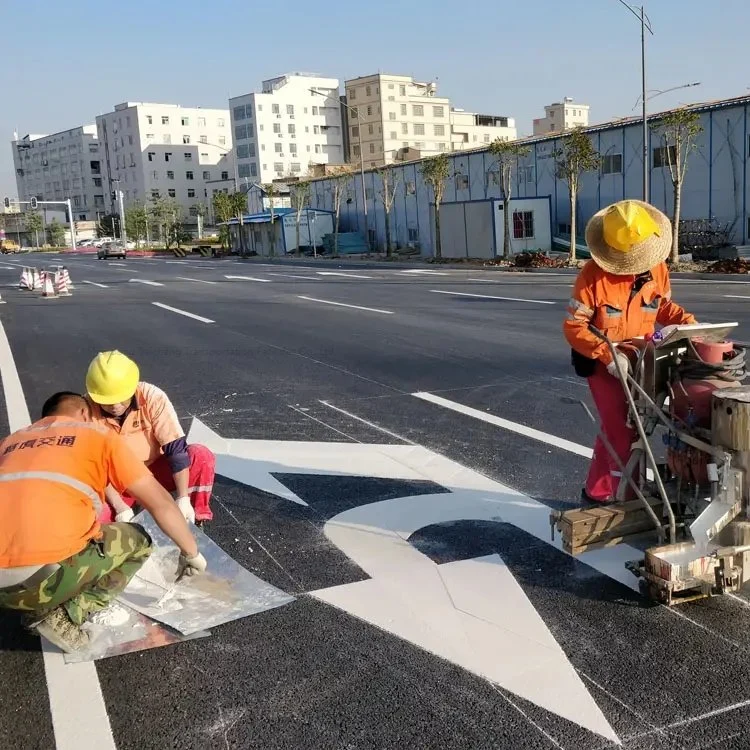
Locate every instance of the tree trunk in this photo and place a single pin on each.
(676, 221)
(336, 234)
(506, 228)
(388, 234)
(573, 192)
(438, 242)
(273, 234)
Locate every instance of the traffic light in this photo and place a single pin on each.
(6, 202)
(33, 203)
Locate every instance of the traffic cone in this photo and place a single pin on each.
(26, 281)
(36, 280)
(48, 288)
(61, 284)
(68, 282)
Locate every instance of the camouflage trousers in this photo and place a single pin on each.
(87, 581)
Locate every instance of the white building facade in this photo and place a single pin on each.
(393, 117)
(62, 166)
(562, 116)
(164, 150)
(295, 121)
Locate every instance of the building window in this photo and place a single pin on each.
(372, 148)
(295, 167)
(278, 166)
(418, 128)
(663, 158)
(402, 90)
(149, 120)
(315, 110)
(186, 139)
(292, 149)
(393, 135)
(188, 156)
(526, 174)
(243, 151)
(355, 150)
(462, 182)
(239, 112)
(370, 129)
(404, 127)
(188, 175)
(203, 139)
(151, 155)
(220, 122)
(523, 225)
(206, 175)
(368, 91)
(167, 156)
(243, 170)
(391, 115)
(438, 111)
(413, 234)
(170, 175)
(240, 132)
(369, 111)
(612, 164)
(290, 109)
(438, 129)
(225, 175)
(441, 146)
(167, 138)
(486, 137)
(185, 121)
(418, 145)
(278, 147)
(130, 139)
(352, 94)
(275, 109)
(277, 127)
(97, 181)
(222, 140)
(355, 131)
(417, 110)
(149, 136)
(292, 128)
(253, 170)
(172, 193)
(403, 109)
(164, 120)
(155, 175)
(191, 193)
(317, 148)
(201, 122)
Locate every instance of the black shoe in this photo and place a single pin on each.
(588, 501)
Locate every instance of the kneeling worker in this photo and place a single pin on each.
(57, 564)
(144, 416)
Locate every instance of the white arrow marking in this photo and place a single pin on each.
(345, 275)
(472, 612)
(145, 281)
(248, 278)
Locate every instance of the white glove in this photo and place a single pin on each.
(125, 516)
(620, 361)
(190, 566)
(186, 508)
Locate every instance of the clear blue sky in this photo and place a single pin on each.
(64, 63)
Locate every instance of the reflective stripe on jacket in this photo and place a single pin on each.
(617, 307)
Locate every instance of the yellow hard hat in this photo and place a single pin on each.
(627, 224)
(111, 378)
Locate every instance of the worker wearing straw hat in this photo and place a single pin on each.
(623, 291)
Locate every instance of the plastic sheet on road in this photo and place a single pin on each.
(225, 592)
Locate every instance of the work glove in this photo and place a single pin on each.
(186, 508)
(620, 361)
(125, 516)
(190, 566)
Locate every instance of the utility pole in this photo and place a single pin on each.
(72, 225)
(645, 116)
(123, 233)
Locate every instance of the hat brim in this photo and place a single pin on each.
(641, 257)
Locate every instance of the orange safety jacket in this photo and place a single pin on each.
(618, 308)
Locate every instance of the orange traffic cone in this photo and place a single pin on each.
(61, 285)
(67, 278)
(48, 288)
(36, 280)
(26, 281)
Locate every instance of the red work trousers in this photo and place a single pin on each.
(611, 403)
(200, 483)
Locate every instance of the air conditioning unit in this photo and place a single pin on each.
(291, 117)
(278, 117)
(292, 135)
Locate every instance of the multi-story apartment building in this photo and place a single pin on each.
(164, 150)
(292, 123)
(392, 116)
(62, 166)
(561, 116)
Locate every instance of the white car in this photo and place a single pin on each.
(103, 241)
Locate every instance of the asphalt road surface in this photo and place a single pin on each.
(428, 413)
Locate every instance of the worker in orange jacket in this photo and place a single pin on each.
(624, 291)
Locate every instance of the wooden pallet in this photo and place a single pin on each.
(590, 528)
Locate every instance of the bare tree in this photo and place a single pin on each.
(576, 156)
(389, 185)
(300, 197)
(506, 156)
(435, 172)
(340, 182)
(269, 189)
(678, 131)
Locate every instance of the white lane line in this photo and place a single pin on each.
(116, 264)
(127, 270)
(342, 304)
(184, 312)
(492, 296)
(521, 283)
(199, 281)
(295, 276)
(95, 283)
(145, 281)
(736, 296)
(431, 273)
(248, 278)
(519, 429)
(367, 422)
(9, 268)
(345, 275)
(75, 696)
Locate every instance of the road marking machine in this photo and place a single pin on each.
(685, 386)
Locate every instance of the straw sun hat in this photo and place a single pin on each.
(629, 237)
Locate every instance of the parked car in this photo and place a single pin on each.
(103, 241)
(112, 250)
(8, 246)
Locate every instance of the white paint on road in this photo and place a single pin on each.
(116, 264)
(183, 312)
(342, 304)
(145, 281)
(736, 296)
(295, 276)
(519, 429)
(345, 275)
(198, 281)
(424, 271)
(492, 296)
(79, 716)
(95, 283)
(248, 278)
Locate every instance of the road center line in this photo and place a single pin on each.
(492, 296)
(184, 312)
(145, 281)
(248, 278)
(519, 429)
(199, 281)
(95, 283)
(342, 304)
(75, 696)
